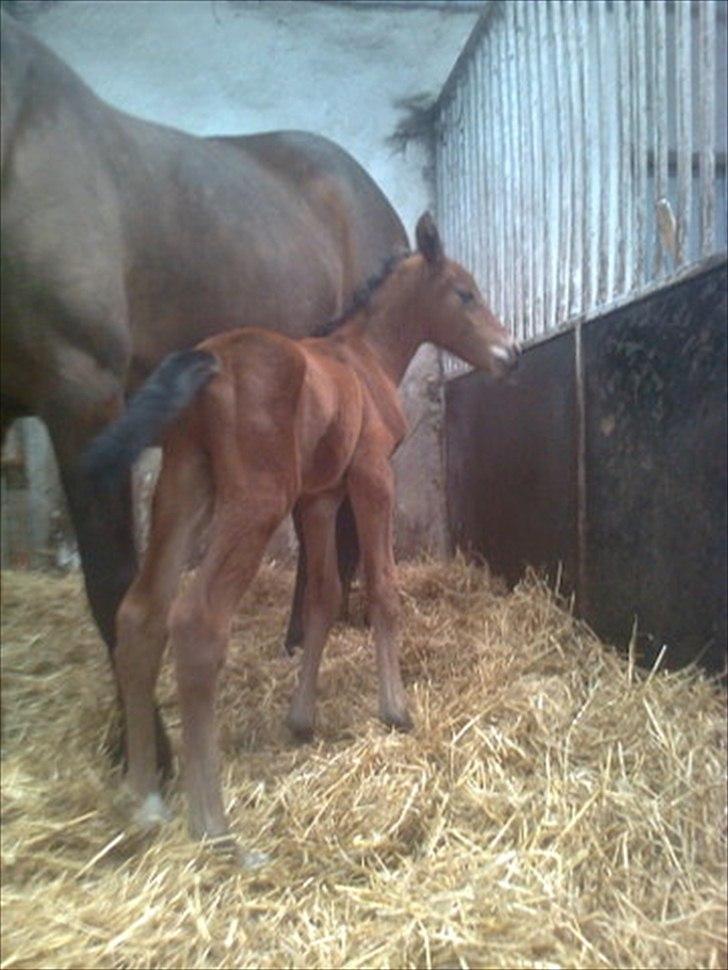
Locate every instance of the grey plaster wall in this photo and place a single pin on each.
(225, 66)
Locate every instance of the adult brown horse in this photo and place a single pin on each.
(124, 240)
(312, 422)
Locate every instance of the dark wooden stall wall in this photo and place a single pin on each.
(511, 483)
(654, 422)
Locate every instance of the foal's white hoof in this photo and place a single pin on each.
(228, 845)
(253, 859)
(152, 812)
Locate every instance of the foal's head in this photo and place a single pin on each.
(452, 310)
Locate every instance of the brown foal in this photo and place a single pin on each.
(270, 422)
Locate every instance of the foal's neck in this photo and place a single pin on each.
(393, 335)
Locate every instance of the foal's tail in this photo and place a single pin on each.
(165, 394)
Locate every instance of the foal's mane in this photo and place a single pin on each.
(363, 295)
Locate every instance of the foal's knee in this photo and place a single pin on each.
(140, 628)
(384, 600)
(137, 617)
(199, 646)
(324, 591)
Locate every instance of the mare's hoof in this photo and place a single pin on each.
(152, 812)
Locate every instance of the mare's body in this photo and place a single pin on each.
(124, 240)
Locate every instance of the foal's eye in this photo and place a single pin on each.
(466, 296)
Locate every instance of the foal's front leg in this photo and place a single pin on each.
(320, 603)
(347, 550)
(371, 488)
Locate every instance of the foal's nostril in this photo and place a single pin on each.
(508, 355)
(515, 355)
(502, 353)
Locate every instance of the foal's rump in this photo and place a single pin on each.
(247, 412)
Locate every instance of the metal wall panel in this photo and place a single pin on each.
(644, 538)
(580, 153)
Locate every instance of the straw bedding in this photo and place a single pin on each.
(554, 807)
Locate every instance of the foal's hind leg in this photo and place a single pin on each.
(371, 487)
(199, 628)
(180, 501)
(294, 631)
(321, 602)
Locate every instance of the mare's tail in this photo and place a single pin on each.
(165, 394)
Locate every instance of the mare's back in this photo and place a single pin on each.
(173, 236)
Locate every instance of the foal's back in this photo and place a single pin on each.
(295, 410)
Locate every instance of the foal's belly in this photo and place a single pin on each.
(330, 418)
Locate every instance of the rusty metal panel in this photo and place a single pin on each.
(510, 464)
(653, 467)
(655, 407)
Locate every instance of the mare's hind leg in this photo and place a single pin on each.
(347, 551)
(199, 629)
(179, 506)
(371, 487)
(321, 603)
(103, 524)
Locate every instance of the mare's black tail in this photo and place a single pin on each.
(165, 394)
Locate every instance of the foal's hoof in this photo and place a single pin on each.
(252, 859)
(229, 848)
(289, 649)
(152, 813)
(165, 758)
(400, 722)
(293, 641)
(301, 730)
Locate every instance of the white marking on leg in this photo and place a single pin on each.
(152, 812)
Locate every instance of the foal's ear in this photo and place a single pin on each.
(428, 239)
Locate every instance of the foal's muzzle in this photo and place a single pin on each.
(507, 357)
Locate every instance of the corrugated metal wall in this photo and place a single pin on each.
(581, 153)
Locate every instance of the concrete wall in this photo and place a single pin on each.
(220, 67)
